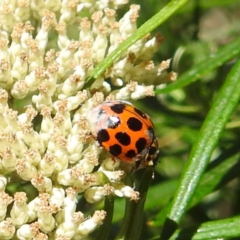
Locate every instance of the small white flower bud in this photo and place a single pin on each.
(25, 170)
(90, 159)
(90, 224)
(57, 146)
(7, 229)
(48, 21)
(41, 183)
(11, 119)
(128, 22)
(33, 156)
(5, 200)
(19, 211)
(96, 194)
(68, 227)
(85, 29)
(66, 178)
(57, 197)
(28, 115)
(100, 45)
(122, 94)
(45, 218)
(55, 6)
(46, 164)
(117, 82)
(69, 204)
(20, 89)
(8, 159)
(142, 91)
(151, 47)
(3, 183)
(75, 101)
(22, 11)
(32, 81)
(28, 231)
(45, 211)
(122, 190)
(110, 164)
(68, 13)
(20, 66)
(74, 147)
(63, 40)
(31, 137)
(32, 209)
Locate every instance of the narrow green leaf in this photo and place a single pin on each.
(104, 229)
(147, 27)
(224, 169)
(136, 220)
(226, 165)
(207, 139)
(211, 62)
(227, 228)
(129, 208)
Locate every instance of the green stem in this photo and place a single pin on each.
(136, 220)
(104, 229)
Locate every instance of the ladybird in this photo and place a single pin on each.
(124, 131)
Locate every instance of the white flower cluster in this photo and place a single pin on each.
(44, 136)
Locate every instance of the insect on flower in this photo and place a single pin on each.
(124, 131)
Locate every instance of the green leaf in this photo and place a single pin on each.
(227, 228)
(211, 62)
(135, 224)
(206, 141)
(104, 229)
(220, 172)
(133, 219)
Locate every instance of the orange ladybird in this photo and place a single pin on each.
(124, 131)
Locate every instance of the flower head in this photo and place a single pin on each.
(47, 51)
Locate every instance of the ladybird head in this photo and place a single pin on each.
(151, 157)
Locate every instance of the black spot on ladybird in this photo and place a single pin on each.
(140, 113)
(130, 154)
(123, 138)
(115, 150)
(141, 144)
(134, 124)
(103, 136)
(118, 108)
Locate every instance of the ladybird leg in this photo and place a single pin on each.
(113, 159)
(138, 164)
